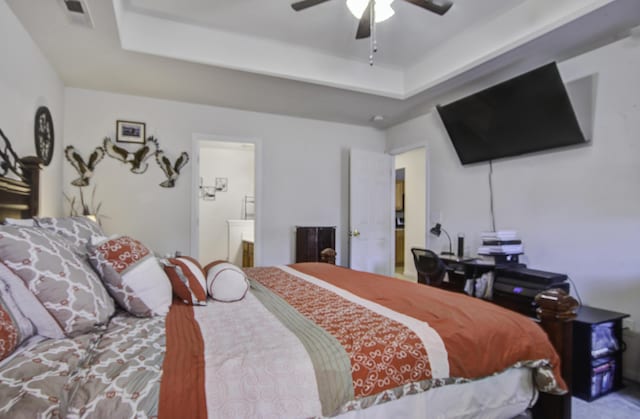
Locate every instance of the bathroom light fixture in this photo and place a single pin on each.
(383, 10)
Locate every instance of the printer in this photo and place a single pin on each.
(515, 287)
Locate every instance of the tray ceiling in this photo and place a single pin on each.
(263, 56)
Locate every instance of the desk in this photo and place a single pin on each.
(460, 270)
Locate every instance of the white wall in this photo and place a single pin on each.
(577, 210)
(303, 178)
(237, 165)
(28, 81)
(415, 164)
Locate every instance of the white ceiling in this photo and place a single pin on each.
(262, 56)
(329, 27)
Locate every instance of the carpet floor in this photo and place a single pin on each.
(623, 404)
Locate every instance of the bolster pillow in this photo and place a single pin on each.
(226, 282)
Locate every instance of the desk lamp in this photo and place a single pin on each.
(436, 230)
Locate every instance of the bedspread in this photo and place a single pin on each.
(316, 340)
(111, 373)
(308, 340)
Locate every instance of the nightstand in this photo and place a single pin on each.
(597, 352)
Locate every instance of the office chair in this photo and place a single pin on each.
(430, 268)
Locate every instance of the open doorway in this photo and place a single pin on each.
(226, 207)
(411, 209)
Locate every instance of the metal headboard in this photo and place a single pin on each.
(19, 182)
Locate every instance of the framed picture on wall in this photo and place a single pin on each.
(221, 184)
(130, 132)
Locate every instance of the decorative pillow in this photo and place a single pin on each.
(187, 280)
(212, 264)
(226, 282)
(194, 260)
(14, 326)
(62, 280)
(29, 305)
(133, 276)
(78, 230)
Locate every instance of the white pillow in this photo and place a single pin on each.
(226, 282)
(132, 275)
(30, 306)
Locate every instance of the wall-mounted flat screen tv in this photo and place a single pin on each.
(528, 113)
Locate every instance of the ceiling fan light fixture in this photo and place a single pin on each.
(383, 9)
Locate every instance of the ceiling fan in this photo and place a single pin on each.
(367, 20)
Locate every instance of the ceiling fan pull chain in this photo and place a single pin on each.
(367, 28)
(373, 47)
(373, 30)
(371, 51)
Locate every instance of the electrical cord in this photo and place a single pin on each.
(493, 216)
(573, 284)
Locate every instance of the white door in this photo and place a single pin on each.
(370, 212)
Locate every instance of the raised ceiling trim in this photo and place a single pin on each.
(141, 32)
(164, 37)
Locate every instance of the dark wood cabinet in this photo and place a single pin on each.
(310, 241)
(597, 352)
(399, 247)
(399, 195)
(247, 254)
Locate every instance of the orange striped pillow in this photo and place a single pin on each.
(187, 280)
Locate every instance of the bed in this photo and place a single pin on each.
(306, 340)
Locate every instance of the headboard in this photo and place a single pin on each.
(19, 195)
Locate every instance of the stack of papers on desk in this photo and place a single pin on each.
(501, 242)
(502, 235)
(508, 249)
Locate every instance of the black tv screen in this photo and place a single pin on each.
(528, 113)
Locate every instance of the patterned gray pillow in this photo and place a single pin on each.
(59, 277)
(78, 230)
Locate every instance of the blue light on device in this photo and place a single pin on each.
(517, 290)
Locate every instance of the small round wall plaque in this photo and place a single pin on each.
(43, 132)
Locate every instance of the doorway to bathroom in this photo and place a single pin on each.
(226, 209)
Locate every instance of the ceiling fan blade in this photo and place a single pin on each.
(364, 26)
(437, 7)
(304, 4)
